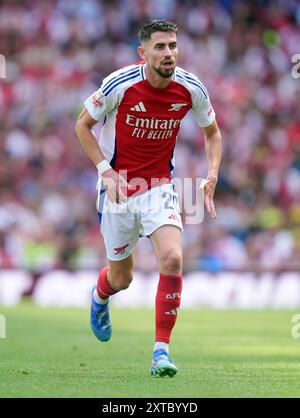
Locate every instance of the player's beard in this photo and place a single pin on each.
(165, 73)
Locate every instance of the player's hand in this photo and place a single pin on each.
(115, 186)
(209, 185)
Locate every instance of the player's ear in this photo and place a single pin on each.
(141, 52)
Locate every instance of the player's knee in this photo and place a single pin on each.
(121, 280)
(171, 262)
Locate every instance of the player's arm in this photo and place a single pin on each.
(213, 146)
(111, 179)
(206, 118)
(84, 126)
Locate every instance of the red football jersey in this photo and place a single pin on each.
(141, 123)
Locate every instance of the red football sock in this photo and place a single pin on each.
(103, 287)
(167, 303)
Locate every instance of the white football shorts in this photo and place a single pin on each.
(121, 224)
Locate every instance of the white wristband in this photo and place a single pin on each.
(103, 166)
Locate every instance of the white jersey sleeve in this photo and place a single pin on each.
(108, 96)
(202, 108)
(98, 104)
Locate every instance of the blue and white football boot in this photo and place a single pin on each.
(99, 320)
(162, 364)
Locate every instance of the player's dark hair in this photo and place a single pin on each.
(156, 26)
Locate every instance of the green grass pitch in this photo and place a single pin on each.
(51, 352)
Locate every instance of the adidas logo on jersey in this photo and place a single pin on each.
(139, 107)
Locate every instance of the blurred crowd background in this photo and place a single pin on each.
(57, 53)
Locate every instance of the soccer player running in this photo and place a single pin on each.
(141, 107)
